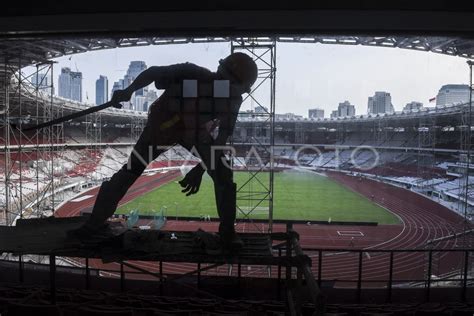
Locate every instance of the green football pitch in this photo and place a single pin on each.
(297, 196)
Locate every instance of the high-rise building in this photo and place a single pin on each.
(118, 85)
(138, 103)
(70, 84)
(452, 93)
(413, 105)
(41, 81)
(346, 109)
(101, 90)
(76, 86)
(316, 113)
(64, 83)
(151, 96)
(139, 100)
(134, 69)
(381, 102)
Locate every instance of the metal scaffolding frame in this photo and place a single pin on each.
(45, 155)
(93, 137)
(256, 193)
(380, 129)
(465, 161)
(137, 125)
(299, 133)
(341, 133)
(466, 147)
(18, 93)
(426, 132)
(8, 208)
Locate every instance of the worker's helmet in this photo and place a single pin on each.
(242, 68)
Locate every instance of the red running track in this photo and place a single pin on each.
(421, 220)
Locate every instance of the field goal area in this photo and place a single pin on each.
(350, 233)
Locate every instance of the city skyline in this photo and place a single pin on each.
(142, 98)
(308, 75)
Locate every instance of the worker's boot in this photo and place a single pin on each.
(110, 194)
(230, 240)
(227, 211)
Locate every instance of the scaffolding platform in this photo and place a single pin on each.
(48, 236)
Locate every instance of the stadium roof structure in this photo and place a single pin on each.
(37, 34)
(27, 51)
(191, 17)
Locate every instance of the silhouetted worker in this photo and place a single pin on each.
(168, 124)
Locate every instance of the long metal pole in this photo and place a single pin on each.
(272, 134)
(38, 207)
(51, 138)
(88, 274)
(52, 278)
(359, 278)
(468, 146)
(20, 268)
(428, 281)
(122, 277)
(320, 267)
(6, 135)
(20, 139)
(390, 279)
(464, 279)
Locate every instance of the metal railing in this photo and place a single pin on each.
(307, 273)
(427, 281)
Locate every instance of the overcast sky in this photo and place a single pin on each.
(308, 75)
